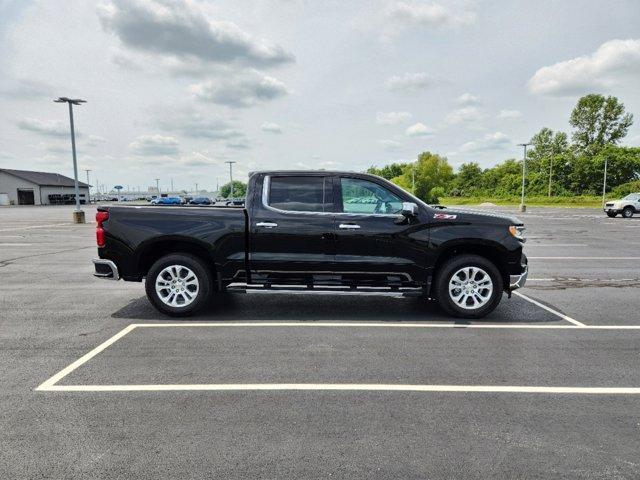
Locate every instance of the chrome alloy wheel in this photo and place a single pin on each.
(470, 288)
(177, 286)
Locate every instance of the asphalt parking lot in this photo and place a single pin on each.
(97, 384)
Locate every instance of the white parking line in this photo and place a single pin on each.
(557, 245)
(549, 309)
(583, 258)
(85, 358)
(15, 244)
(34, 226)
(368, 387)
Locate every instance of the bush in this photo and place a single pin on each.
(626, 188)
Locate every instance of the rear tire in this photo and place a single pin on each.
(611, 214)
(627, 212)
(468, 286)
(179, 285)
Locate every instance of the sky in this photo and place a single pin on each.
(175, 89)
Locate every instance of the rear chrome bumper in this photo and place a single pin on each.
(105, 269)
(518, 281)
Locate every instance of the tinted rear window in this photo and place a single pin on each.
(300, 194)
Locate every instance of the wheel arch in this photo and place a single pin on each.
(494, 252)
(151, 252)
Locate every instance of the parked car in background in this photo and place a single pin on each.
(200, 201)
(166, 201)
(626, 206)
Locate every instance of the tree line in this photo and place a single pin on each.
(556, 164)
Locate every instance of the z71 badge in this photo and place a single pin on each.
(444, 216)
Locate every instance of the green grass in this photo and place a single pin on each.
(577, 201)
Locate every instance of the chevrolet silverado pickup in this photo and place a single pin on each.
(313, 230)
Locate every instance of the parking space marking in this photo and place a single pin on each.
(15, 244)
(85, 358)
(34, 226)
(50, 384)
(557, 245)
(549, 309)
(584, 258)
(368, 387)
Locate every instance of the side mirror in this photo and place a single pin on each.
(409, 209)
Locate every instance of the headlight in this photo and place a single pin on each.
(518, 232)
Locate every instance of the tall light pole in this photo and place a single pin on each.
(78, 215)
(604, 181)
(523, 207)
(230, 162)
(88, 187)
(158, 186)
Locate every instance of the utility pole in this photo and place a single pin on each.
(230, 162)
(172, 185)
(158, 186)
(88, 187)
(523, 207)
(413, 178)
(78, 215)
(196, 188)
(604, 181)
(550, 172)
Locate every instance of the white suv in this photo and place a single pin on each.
(627, 206)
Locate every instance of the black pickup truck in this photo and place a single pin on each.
(314, 230)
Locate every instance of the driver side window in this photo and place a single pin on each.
(364, 197)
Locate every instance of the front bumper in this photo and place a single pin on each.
(518, 281)
(105, 269)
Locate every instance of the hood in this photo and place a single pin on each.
(476, 216)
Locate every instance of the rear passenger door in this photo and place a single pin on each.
(291, 228)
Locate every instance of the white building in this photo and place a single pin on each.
(39, 188)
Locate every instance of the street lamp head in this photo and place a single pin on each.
(74, 101)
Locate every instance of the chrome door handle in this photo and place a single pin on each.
(266, 224)
(349, 226)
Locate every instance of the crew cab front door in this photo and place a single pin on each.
(292, 229)
(373, 244)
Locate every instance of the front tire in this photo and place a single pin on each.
(468, 286)
(627, 212)
(179, 285)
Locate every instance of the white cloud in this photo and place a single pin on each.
(243, 90)
(467, 100)
(509, 114)
(390, 144)
(612, 63)
(149, 145)
(95, 140)
(193, 124)
(271, 127)
(182, 28)
(392, 118)
(410, 81)
(491, 141)
(49, 128)
(418, 130)
(464, 115)
(431, 14)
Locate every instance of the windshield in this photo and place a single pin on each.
(632, 196)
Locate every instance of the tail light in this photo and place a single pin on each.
(100, 218)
